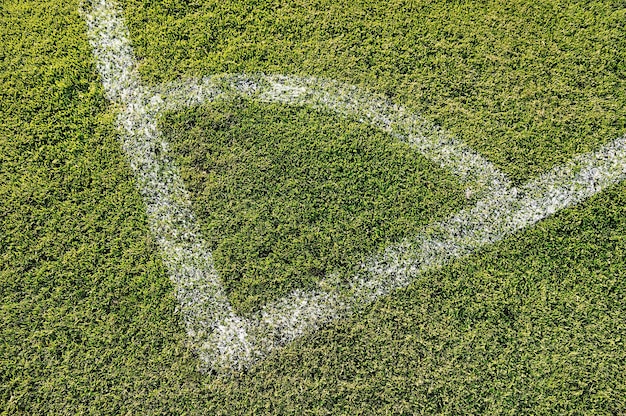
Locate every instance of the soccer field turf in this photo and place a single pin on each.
(293, 197)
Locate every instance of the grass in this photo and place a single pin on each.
(289, 196)
(527, 84)
(531, 325)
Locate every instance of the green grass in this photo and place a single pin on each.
(289, 196)
(532, 325)
(527, 84)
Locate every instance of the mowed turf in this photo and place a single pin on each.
(289, 197)
(527, 84)
(532, 325)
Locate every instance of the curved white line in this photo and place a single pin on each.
(225, 340)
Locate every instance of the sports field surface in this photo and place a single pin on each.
(312, 207)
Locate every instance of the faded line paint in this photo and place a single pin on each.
(204, 306)
(478, 174)
(489, 221)
(226, 341)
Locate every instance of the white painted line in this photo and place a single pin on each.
(203, 303)
(226, 341)
(478, 174)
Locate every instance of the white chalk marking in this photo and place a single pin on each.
(478, 174)
(226, 341)
(204, 306)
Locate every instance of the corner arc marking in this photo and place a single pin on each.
(227, 341)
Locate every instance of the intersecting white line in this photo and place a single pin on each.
(225, 340)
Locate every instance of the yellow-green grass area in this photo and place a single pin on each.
(527, 84)
(534, 324)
